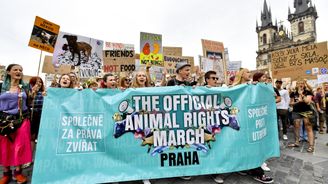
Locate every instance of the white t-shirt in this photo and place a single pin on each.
(285, 99)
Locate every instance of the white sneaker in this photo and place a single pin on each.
(146, 182)
(284, 137)
(265, 167)
(186, 177)
(218, 179)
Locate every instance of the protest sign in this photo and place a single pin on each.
(151, 49)
(212, 49)
(147, 133)
(172, 51)
(2, 72)
(322, 78)
(44, 35)
(232, 68)
(208, 64)
(306, 61)
(81, 52)
(171, 61)
(119, 57)
(49, 68)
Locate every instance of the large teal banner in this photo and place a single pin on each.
(108, 135)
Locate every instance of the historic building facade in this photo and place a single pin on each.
(272, 36)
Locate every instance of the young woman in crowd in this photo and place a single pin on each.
(74, 80)
(109, 81)
(36, 94)
(125, 82)
(300, 100)
(65, 81)
(15, 147)
(140, 80)
(243, 77)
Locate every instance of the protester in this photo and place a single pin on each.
(282, 108)
(319, 103)
(65, 81)
(140, 80)
(211, 80)
(125, 82)
(109, 81)
(300, 100)
(243, 76)
(325, 102)
(15, 147)
(182, 77)
(36, 94)
(74, 80)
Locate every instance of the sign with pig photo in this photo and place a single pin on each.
(44, 35)
(151, 49)
(79, 51)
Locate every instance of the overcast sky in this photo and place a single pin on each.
(183, 23)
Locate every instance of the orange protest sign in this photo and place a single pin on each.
(44, 35)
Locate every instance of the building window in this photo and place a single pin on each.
(301, 27)
(264, 40)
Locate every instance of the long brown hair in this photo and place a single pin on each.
(33, 82)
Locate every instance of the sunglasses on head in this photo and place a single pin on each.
(214, 78)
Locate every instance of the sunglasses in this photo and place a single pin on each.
(214, 78)
(127, 80)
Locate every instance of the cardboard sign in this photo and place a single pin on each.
(171, 61)
(49, 68)
(44, 35)
(232, 68)
(305, 61)
(208, 64)
(212, 49)
(151, 49)
(119, 57)
(83, 53)
(172, 51)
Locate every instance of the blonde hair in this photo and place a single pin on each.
(135, 83)
(239, 76)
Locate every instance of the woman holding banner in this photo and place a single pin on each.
(15, 145)
(243, 76)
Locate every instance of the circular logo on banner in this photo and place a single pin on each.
(323, 70)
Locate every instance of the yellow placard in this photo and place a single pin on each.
(44, 35)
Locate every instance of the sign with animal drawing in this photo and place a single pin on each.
(83, 53)
(44, 35)
(151, 49)
(119, 57)
(107, 136)
(306, 61)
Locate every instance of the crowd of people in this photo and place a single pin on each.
(301, 108)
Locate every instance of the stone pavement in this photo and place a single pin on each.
(295, 166)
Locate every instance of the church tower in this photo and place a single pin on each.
(267, 34)
(303, 22)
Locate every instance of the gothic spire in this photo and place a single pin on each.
(266, 15)
(301, 6)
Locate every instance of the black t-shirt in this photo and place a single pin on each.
(175, 82)
(276, 91)
(300, 106)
